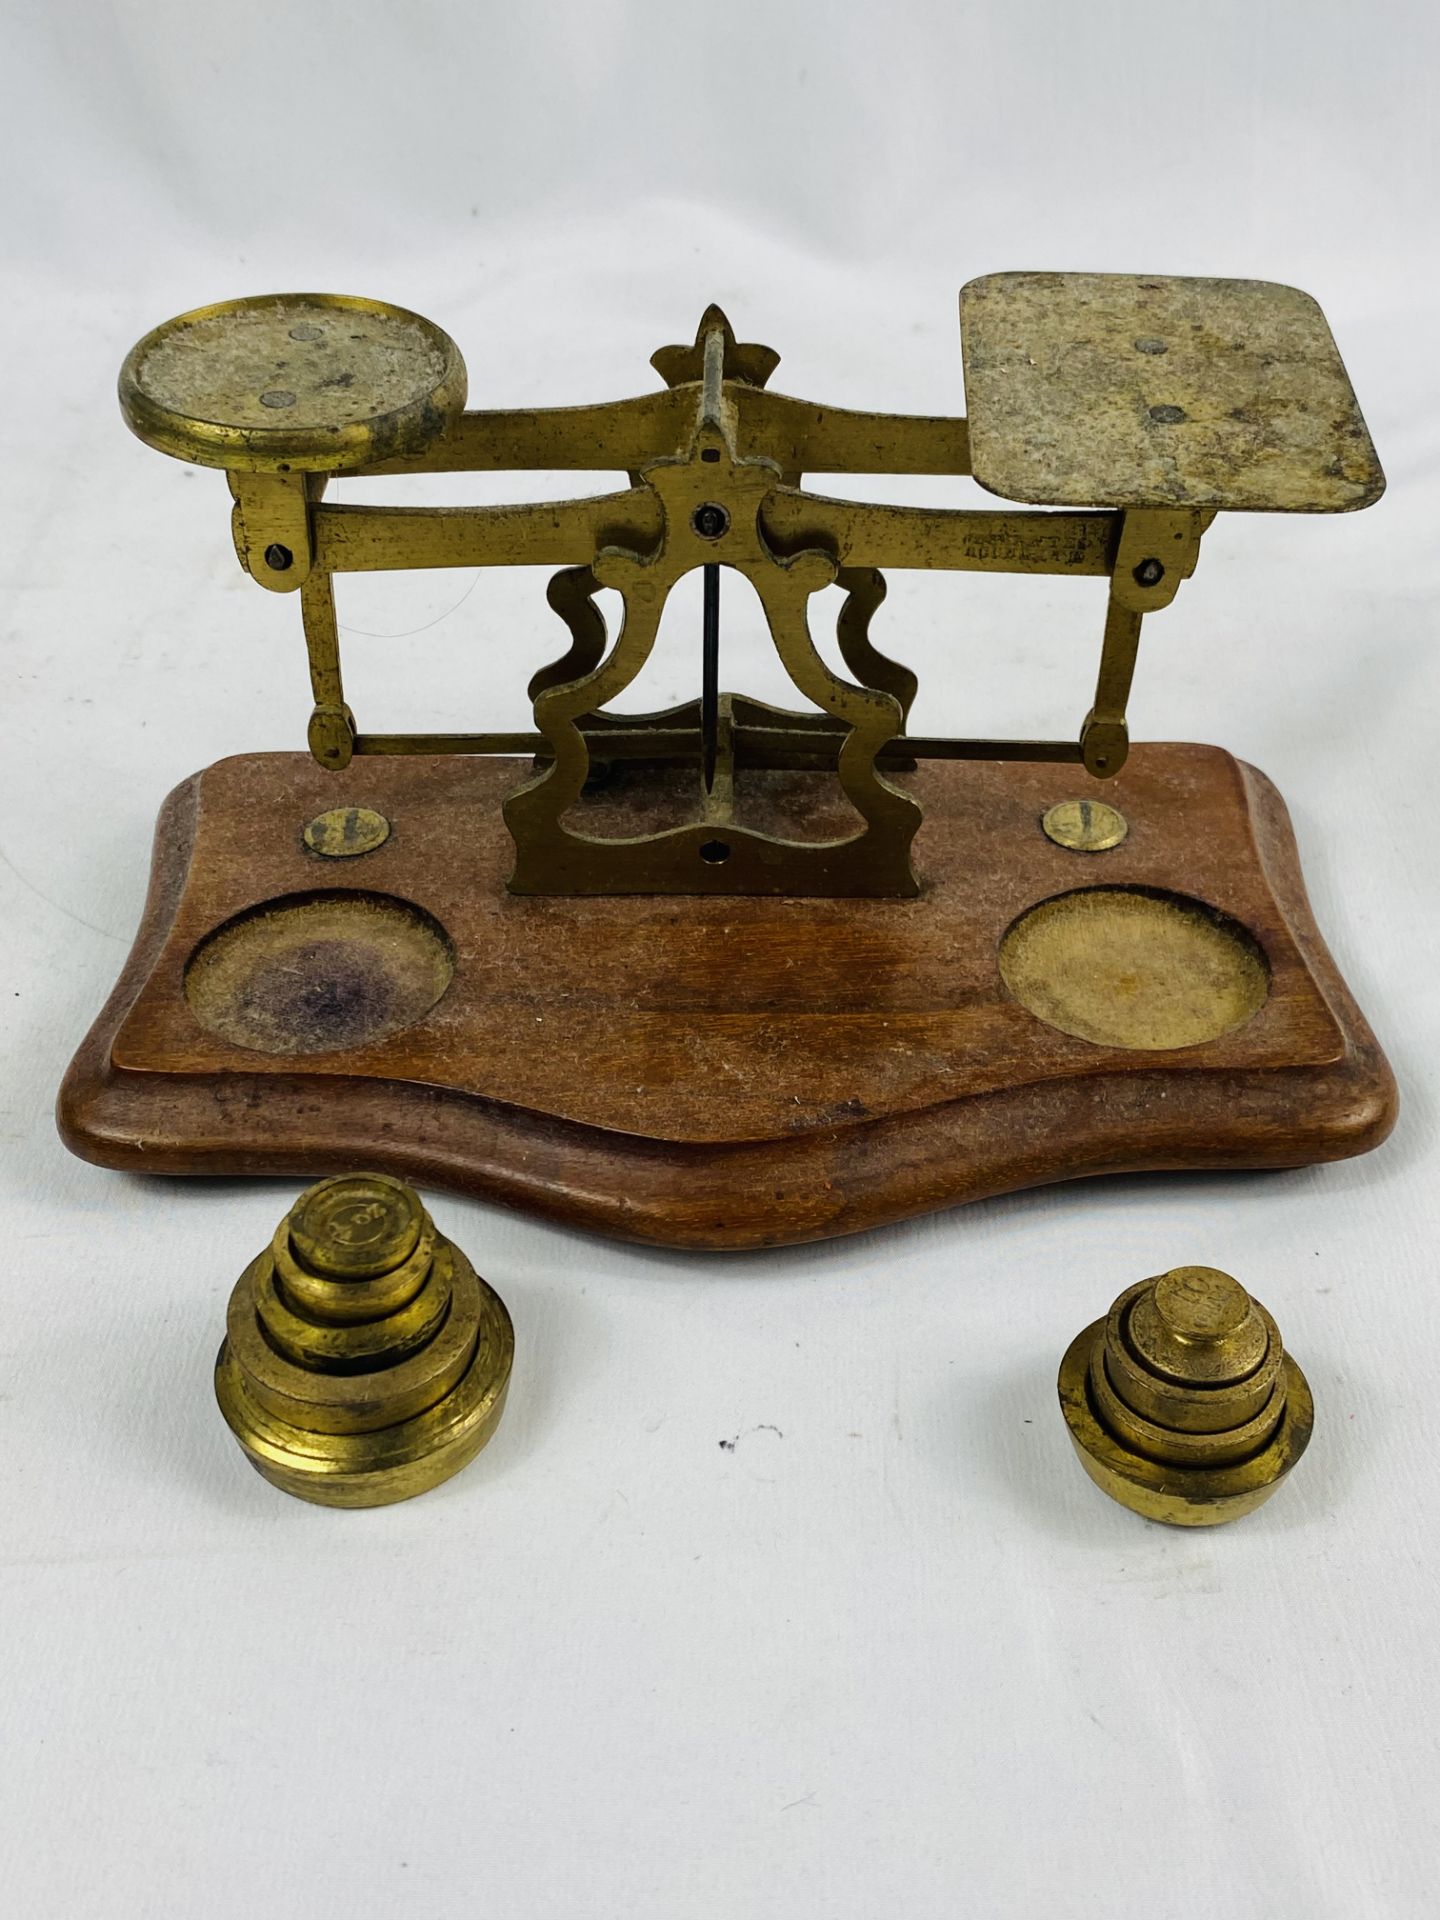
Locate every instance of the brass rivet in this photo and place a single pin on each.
(1182, 1403)
(341, 832)
(1085, 826)
(364, 1360)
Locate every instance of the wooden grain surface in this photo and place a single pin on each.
(728, 1072)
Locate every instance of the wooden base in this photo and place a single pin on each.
(708, 1072)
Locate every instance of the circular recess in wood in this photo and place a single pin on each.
(319, 973)
(1134, 967)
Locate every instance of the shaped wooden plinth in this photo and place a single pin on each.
(720, 1072)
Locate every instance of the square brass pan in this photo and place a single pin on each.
(1128, 390)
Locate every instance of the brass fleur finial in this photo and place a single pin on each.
(745, 361)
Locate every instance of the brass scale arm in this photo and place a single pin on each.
(1145, 552)
(715, 463)
(1097, 403)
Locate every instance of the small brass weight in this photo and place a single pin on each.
(1182, 1403)
(364, 1359)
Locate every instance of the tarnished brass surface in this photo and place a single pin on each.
(342, 832)
(1126, 390)
(1063, 370)
(1131, 967)
(1182, 1403)
(1085, 826)
(364, 1360)
(293, 383)
(356, 1227)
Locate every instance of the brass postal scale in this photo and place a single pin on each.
(731, 975)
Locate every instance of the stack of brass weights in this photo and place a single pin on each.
(365, 1360)
(1182, 1403)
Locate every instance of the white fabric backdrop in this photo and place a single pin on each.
(891, 1653)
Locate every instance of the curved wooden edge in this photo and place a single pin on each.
(1377, 1102)
(816, 1186)
(84, 1107)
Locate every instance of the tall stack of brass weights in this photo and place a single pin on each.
(365, 1361)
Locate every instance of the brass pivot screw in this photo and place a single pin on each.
(364, 1359)
(1182, 1403)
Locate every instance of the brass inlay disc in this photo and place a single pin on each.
(356, 1225)
(293, 383)
(319, 973)
(1085, 826)
(341, 832)
(1125, 967)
